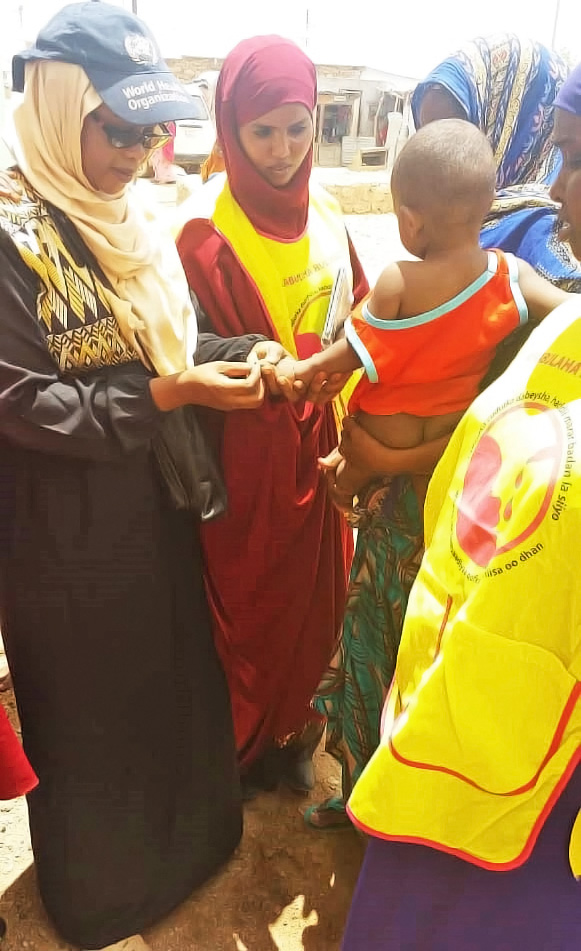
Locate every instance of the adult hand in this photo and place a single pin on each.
(268, 354)
(220, 385)
(267, 351)
(10, 188)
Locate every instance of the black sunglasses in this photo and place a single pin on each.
(149, 138)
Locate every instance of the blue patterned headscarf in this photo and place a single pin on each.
(506, 87)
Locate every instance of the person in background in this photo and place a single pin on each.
(506, 86)
(123, 703)
(472, 800)
(261, 246)
(162, 160)
(214, 164)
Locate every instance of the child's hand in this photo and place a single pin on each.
(292, 377)
(328, 464)
(280, 379)
(265, 351)
(323, 389)
(268, 354)
(332, 468)
(344, 480)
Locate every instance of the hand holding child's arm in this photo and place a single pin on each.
(320, 377)
(268, 354)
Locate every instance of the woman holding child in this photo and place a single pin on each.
(472, 800)
(484, 83)
(261, 248)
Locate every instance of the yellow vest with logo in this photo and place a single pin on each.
(294, 279)
(482, 726)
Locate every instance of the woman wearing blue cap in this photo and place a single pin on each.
(124, 708)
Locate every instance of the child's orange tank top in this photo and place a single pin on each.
(433, 363)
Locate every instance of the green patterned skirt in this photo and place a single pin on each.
(387, 557)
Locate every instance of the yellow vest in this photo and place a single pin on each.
(294, 279)
(482, 726)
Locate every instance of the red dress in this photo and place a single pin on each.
(277, 563)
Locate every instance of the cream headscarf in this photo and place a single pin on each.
(151, 301)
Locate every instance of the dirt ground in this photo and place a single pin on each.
(287, 888)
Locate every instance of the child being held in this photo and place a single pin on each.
(427, 334)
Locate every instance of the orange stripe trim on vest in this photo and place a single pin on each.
(520, 859)
(565, 717)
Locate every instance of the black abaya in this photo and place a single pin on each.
(124, 707)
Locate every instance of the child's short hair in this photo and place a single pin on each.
(447, 168)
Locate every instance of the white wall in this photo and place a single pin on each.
(369, 89)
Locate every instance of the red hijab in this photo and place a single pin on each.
(261, 74)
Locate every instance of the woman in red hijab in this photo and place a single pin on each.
(261, 248)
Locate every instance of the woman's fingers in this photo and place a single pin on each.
(270, 378)
(239, 371)
(290, 389)
(243, 383)
(254, 387)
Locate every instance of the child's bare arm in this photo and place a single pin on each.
(540, 295)
(340, 357)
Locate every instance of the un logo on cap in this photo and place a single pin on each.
(141, 49)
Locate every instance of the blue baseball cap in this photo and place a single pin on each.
(121, 58)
